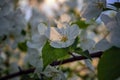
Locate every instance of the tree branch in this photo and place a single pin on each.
(75, 58)
(55, 63)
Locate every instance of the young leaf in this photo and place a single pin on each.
(116, 4)
(109, 65)
(74, 45)
(50, 54)
(81, 24)
(85, 53)
(22, 46)
(23, 32)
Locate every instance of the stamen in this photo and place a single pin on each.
(64, 39)
(100, 5)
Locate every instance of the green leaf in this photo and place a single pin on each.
(16, 4)
(116, 4)
(2, 38)
(74, 45)
(50, 54)
(106, 9)
(23, 32)
(109, 64)
(85, 53)
(22, 46)
(81, 24)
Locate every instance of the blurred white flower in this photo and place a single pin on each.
(50, 71)
(17, 18)
(42, 28)
(6, 7)
(13, 69)
(38, 39)
(2, 2)
(12, 25)
(118, 78)
(17, 26)
(71, 3)
(86, 40)
(102, 45)
(62, 37)
(109, 2)
(87, 44)
(4, 26)
(37, 42)
(65, 18)
(113, 25)
(53, 73)
(33, 58)
(26, 9)
(89, 64)
(35, 20)
(63, 21)
(92, 9)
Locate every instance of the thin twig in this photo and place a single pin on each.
(55, 63)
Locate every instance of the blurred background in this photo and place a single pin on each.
(32, 12)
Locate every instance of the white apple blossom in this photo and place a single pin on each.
(35, 46)
(113, 25)
(86, 40)
(37, 42)
(92, 9)
(38, 39)
(37, 30)
(62, 37)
